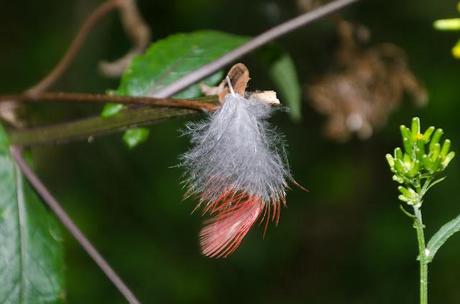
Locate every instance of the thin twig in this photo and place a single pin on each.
(60, 213)
(74, 47)
(205, 104)
(137, 31)
(251, 45)
(90, 128)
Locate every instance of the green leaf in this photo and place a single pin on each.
(440, 237)
(111, 109)
(133, 137)
(31, 255)
(283, 73)
(172, 58)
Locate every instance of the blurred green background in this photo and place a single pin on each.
(343, 242)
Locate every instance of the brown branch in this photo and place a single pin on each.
(137, 31)
(204, 104)
(74, 47)
(64, 218)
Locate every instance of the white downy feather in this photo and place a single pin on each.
(236, 151)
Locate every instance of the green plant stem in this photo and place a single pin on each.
(89, 128)
(419, 227)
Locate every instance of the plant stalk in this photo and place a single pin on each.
(208, 103)
(89, 128)
(419, 227)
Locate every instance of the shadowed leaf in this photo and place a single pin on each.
(31, 255)
(283, 73)
(133, 137)
(440, 237)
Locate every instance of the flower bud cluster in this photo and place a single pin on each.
(421, 159)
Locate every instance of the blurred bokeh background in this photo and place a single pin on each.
(345, 241)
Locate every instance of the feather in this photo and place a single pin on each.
(237, 166)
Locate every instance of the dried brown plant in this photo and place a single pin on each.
(367, 85)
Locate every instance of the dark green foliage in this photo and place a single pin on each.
(31, 252)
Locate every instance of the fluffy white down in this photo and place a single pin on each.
(235, 149)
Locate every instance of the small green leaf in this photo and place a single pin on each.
(133, 137)
(440, 237)
(284, 75)
(31, 255)
(111, 109)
